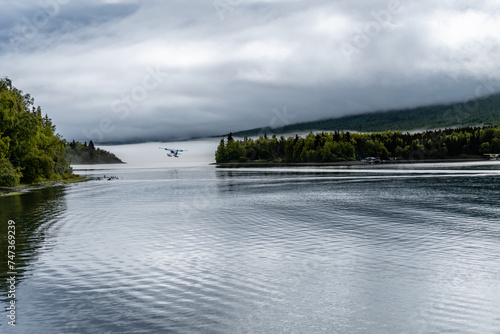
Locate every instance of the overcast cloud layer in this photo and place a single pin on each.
(114, 70)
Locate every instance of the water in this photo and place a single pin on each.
(185, 247)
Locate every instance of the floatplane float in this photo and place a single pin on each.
(172, 152)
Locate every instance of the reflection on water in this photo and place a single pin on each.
(293, 250)
(35, 214)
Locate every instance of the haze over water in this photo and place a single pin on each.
(179, 246)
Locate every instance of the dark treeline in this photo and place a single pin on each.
(30, 151)
(345, 146)
(79, 153)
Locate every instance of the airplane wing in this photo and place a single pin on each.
(172, 151)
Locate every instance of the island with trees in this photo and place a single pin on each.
(343, 146)
(30, 150)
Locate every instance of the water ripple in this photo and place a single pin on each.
(281, 250)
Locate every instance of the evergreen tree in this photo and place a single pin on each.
(91, 149)
(220, 154)
(30, 151)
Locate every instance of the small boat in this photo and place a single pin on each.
(493, 156)
(372, 160)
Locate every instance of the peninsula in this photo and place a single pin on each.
(339, 147)
(31, 152)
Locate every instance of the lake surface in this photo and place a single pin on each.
(179, 246)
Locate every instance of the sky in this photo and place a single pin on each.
(122, 70)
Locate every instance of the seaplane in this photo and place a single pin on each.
(172, 152)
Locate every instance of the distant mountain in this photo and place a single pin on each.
(483, 111)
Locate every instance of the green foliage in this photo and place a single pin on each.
(29, 149)
(79, 153)
(345, 146)
(9, 176)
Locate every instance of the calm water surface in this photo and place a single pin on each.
(184, 247)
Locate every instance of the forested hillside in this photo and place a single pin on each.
(345, 146)
(30, 151)
(475, 112)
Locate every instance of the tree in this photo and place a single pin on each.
(495, 145)
(220, 154)
(485, 148)
(29, 149)
(9, 175)
(91, 149)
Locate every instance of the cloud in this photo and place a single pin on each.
(225, 65)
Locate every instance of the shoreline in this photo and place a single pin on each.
(97, 163)
(26, 188)
(337, 163)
